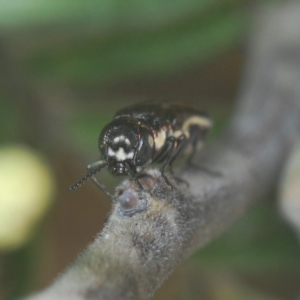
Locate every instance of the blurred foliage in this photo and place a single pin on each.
(96, 42)
(147, 52)
(10, 119)
(85, 127)
(258, 242)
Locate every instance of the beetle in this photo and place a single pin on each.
(145, 133)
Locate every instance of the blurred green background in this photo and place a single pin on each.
(65, 68)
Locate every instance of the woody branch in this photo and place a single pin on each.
(132, 256)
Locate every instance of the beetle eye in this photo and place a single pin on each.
(145, 149)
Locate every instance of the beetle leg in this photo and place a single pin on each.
(182, 142)
(93, 168)
(176, 145)
(138, 183)
(133, 176)
(101, 186)
(171, 145)
(196, 134)
(98, 165)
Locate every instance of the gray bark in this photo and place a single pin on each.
(133, 256)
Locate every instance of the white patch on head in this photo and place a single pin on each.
(130, 154)
(118, 139)
(121, 138)
(111, 152)
(120, 154)
(160, 139)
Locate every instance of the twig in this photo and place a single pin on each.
(133, 255)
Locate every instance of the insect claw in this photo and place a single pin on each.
(138, 183)
(101, 186)
(167, 181)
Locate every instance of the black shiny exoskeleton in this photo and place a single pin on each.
(145, 133)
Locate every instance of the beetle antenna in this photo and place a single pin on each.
(84, 179)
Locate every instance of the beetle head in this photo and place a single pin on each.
(124, 144)
(118, 142)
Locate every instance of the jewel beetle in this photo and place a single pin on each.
(145, 133)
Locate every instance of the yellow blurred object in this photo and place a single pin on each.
(289, 199)
(26, 192)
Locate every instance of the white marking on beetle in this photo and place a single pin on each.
(160, 139)
(120, 154)
(193, 120)
(130, 154)
(138, 169)
(178, 133)
(111, 152)
(150, 141)
(118, 139)
(121, 138)
(196, 120)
